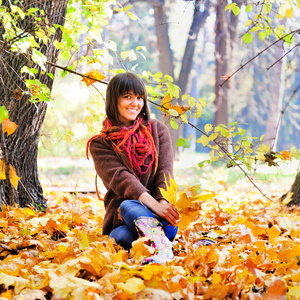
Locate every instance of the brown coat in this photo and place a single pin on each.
(121, 182)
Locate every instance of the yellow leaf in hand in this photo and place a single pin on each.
(170, 194)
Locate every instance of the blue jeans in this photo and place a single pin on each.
(131, 210)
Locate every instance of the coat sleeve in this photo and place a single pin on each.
(165, 159)
(114, 174)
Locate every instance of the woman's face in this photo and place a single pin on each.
(129, 107)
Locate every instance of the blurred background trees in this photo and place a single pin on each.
(198, 44)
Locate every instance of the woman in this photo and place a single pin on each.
(133, 156)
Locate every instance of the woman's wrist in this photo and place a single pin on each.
(162, 200)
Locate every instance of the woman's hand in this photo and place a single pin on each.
(162, 208)
(167, 211)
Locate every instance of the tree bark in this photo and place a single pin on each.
(295, 189)
(22, 145)
(222, 55)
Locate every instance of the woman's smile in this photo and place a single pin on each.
(129, 107)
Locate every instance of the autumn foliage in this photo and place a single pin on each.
(61, 254)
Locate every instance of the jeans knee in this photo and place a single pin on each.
(124, 207)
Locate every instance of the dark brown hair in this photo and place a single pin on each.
(121, 84)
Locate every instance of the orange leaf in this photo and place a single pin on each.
(285, 154)
(94, 74)
(276, 291)
(9, 126)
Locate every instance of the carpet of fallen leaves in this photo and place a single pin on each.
(61, 254)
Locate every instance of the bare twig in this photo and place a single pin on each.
(283, 56)
(258, 54)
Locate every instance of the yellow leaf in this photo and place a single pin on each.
(83, 240)
(208, 128)
(248, 23)
(288, 198)
(213, 136)
(216, 278)
(170, 194)
(12, 173)
(94, 74)
(289, 13)
(204, 140)
(186, 217)
(132, 285)
(88, 121)
(9, 126)
(293, 292)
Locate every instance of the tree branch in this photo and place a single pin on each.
(258, 54)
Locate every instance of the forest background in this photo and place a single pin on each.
(199, 44)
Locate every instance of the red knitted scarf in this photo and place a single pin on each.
(136, 142)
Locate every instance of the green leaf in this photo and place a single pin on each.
(267, 8)
(262, 35)
(202, 163)
(236, 10)
(268, 29)
(3, 113)
(288, 38)
(18, 10)
(278, 32)
(50, 75)
(248, 38)
(173, 89)
(173, 124)
(183, 142)
(150, 89)
(248, 8)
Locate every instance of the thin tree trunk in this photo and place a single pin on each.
(22, 145)
(222, 55)
(276, 99)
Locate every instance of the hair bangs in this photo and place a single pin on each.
(132, 83)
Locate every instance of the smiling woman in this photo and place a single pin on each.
(129, 107)
(133, 156)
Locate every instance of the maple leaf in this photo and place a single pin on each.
(170, 193)
(94, 74)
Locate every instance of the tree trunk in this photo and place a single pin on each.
(22, 145)
(187, 61)
(276, 98)
(295, 189)
(222, 54)
(166, 63)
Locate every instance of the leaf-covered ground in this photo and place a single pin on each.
(61, 254)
